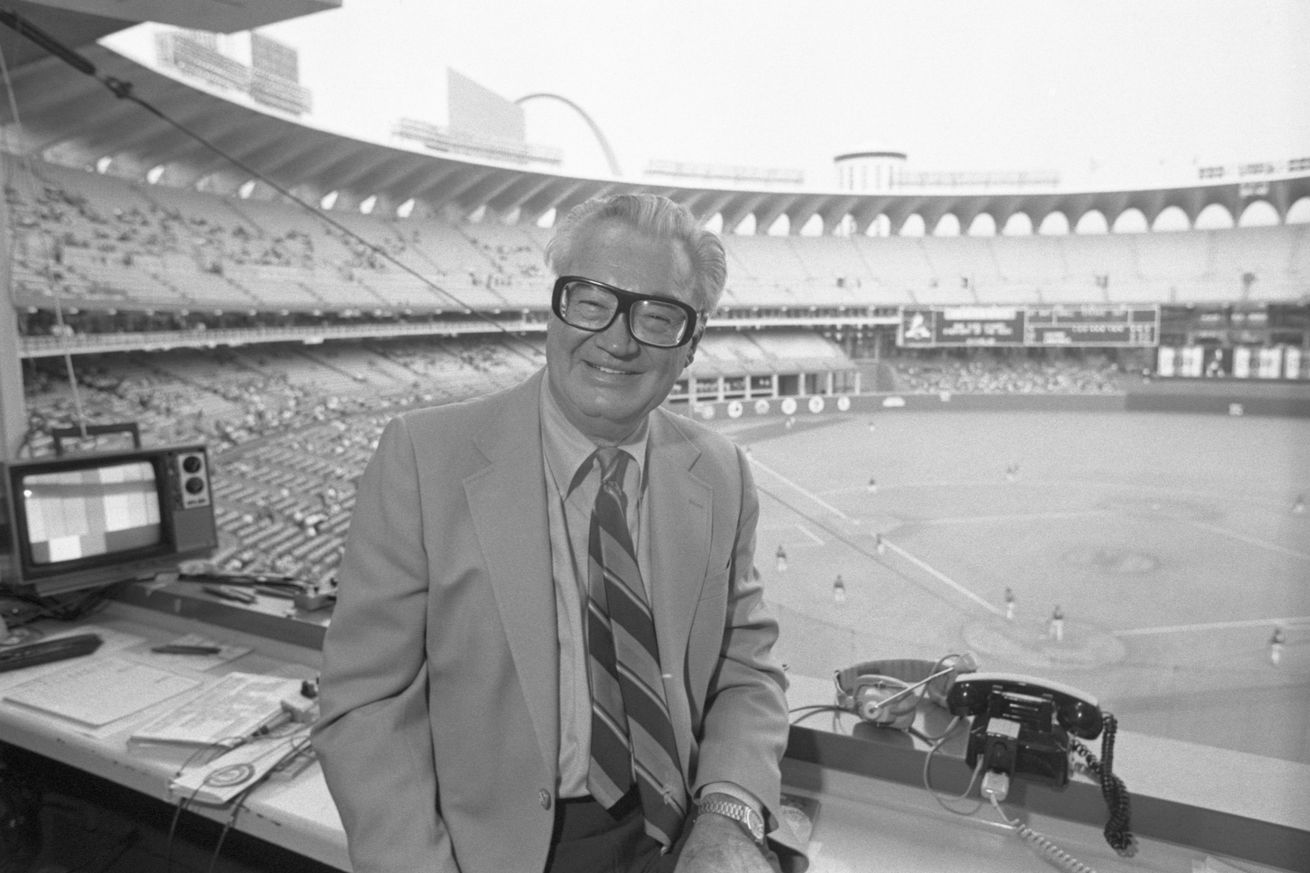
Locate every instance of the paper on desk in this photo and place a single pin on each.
(100, 690)
(112, 641)
(233, 708)
(199, 662)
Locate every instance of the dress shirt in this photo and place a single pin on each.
(572, 481)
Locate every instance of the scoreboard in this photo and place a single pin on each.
(1092, 326)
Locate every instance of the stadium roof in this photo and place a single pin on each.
(78, 23)
(71, 118)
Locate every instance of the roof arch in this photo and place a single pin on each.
(68, 117)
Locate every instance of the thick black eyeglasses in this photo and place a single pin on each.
(655, 321)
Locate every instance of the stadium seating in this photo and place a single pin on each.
(102, 243)
(105, 242)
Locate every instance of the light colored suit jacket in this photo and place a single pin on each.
(439, 734)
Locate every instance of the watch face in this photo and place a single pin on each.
(750, 820)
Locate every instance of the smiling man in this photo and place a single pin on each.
(549, 652)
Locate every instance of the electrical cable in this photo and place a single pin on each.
(1043, 844)
(814, 710)
(182, 804)
(124, 91)
(239, 801)
(973, 780)
(26, 159)
(941, 737)
(1116, 831)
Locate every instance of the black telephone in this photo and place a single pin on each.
(1021, 724)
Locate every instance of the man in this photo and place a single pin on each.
(465, 683)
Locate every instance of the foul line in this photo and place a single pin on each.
(811, 534)
(810, 494)
(1250, 541)
(1214, 625)
(1018, 516)
(932, 571)
(996, 610)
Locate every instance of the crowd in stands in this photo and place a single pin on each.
(287, 445)
(290, 428)
(980, 373)
(91, 236)
(86, 237)
(285, 450)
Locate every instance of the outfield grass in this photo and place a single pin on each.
(1168, 540)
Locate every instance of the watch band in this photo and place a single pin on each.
(730, 807)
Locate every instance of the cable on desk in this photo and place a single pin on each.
(239, 801)
(815, 709)
(968, 789)
(183, 803)
(1113, 789)
(1043, 844)
(941, 737)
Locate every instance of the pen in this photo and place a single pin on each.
(180, 649)
(275, 591)
(227, 592)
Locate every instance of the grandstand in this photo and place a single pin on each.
(151, 282)
(290, 321)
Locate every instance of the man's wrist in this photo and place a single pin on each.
(734, 811)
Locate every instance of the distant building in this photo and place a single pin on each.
(876, 170)
(261, 68)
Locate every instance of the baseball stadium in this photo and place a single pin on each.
(985, 413)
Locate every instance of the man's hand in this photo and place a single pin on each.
(717, 844)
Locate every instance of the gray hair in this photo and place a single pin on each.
(657, 216)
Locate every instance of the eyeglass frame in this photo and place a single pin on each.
(625, 299)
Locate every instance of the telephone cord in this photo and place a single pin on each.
(1043, 844)
(1117, 832)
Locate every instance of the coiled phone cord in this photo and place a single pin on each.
(1113, 789)
(1042, 844)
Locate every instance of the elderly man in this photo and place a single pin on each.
(549, 651)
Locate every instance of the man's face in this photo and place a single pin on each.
(606, 382)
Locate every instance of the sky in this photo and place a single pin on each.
(1106, 90)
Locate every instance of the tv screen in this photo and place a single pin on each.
(90, 520)
(91, 512)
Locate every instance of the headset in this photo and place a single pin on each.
(882, 692)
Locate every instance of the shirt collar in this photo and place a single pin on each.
(568, 450)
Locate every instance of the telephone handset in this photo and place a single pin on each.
(997, 693)
(1021, 724)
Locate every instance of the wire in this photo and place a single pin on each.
(218, 846)
(182, 804)
(1113, 789)
(941, 737)
(1043, 844)
(239, 802)
(973, 780)
(813, 710)
(124, 91)
(26, 159)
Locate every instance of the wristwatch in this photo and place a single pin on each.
(742, 813)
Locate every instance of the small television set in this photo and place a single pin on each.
(91, 520)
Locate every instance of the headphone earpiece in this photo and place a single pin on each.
(886, 693)
(877, 701)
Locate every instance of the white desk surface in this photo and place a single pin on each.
(298, 814)
(863, 824)
(870, 825)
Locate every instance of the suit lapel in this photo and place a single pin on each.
(680, 504)
(507, 501)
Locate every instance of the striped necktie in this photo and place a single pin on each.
(631, 735)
